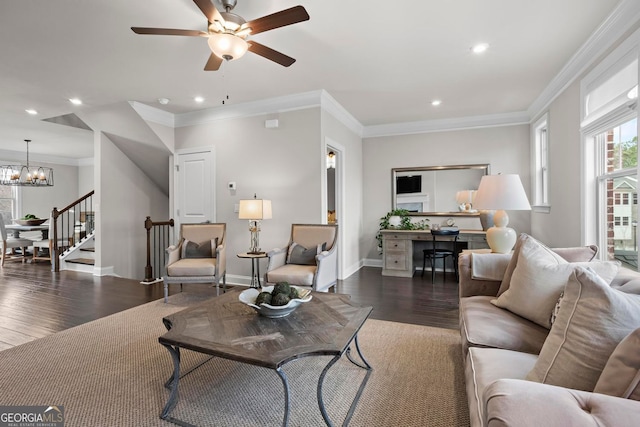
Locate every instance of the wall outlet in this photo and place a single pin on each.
(236, 208)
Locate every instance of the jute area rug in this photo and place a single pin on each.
(110, 372)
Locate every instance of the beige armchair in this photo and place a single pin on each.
(199, 257)
(310, 258)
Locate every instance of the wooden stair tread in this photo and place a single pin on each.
(86, 261)
(88, 249)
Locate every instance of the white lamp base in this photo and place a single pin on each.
(501, 238)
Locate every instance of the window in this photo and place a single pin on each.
(540, 155)
(8, 203)
(609, 127)
(617, 180)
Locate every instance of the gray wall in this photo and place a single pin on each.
(561, 226)
(40, 201)
(125, 197)
(506, 149)
(333, 131)
(282, 165)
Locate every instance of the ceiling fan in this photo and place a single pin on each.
(228, 32)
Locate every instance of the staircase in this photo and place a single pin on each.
(74, 236)
(80, 257)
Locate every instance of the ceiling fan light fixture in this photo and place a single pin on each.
(227, 46)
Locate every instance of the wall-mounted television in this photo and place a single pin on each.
(409, 184)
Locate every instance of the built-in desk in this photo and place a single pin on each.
(398, 248)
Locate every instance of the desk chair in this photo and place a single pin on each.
(446, 238)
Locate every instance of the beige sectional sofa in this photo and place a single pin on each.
(543, 372)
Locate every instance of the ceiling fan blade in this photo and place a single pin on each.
(213, 63)
(279, 19)
(209, 10)
(168, 32)
(273, 55)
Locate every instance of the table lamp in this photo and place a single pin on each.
(501, 193)
(255, 210)
(465, 199)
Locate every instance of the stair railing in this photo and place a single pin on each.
(158, 239)
(71, 225)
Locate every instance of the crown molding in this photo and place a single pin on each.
(19, 157)
(152, 114)
(88, 161)
(248, 109)
(333, 107)
(445, 125)
(623, 17)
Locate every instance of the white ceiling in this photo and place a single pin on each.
(383, 61)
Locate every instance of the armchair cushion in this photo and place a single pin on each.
(194, 250)
(192, 267)
(301, 275)
(300, 255)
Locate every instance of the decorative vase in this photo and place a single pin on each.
(395, 221)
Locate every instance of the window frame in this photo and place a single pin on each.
(596, 177)
(540, 143)
(16, 204)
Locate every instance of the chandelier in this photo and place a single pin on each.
(26, 175)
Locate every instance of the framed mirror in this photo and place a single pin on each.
(431, 190)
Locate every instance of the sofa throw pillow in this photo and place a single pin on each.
(538, 280)
(621, 374)
(574, 254)
(593, 319)
(203, 250)
(300, 255)
(506, 280)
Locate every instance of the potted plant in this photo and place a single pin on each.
(399, 219)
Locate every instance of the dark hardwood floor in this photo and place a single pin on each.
(34, 302)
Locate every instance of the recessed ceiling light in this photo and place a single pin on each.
(198, 99)
(75, 101)
(436, 102)
(163, 101)
(31, 111)
(480, 48)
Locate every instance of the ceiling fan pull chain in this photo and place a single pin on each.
(224, 79)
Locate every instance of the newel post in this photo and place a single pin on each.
(55, 259)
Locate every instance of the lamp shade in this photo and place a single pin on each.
(501, 192)
(255, 209)
(465, 196)
(227, 46)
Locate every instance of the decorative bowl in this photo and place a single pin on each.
(249, 296)
(35, 221)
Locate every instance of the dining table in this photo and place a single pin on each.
(17, 228)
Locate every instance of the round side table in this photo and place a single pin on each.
(255, 267)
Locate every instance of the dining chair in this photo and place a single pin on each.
(443, 245)
(10, 242)
(48, 245)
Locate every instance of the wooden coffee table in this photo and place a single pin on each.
(225, 327)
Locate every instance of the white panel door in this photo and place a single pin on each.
(195, 187)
